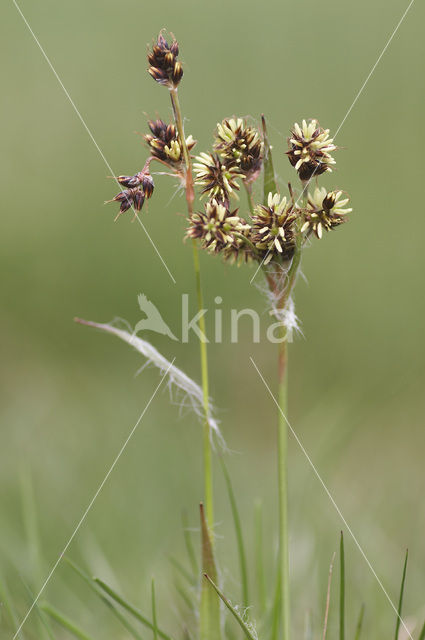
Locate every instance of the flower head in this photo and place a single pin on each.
(325, 211)
(164, 143)
(217, 227)
(139, 188)
(273, 227)
(129, 198)
(310, 149)
(241, 145)
(142, 179)
(164, 66)
(216, 179)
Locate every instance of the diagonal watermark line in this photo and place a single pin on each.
(83, 517)
(89, 132)
(331, 498)
(341, 124)
(359, 93)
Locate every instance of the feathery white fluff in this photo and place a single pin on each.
(177, 379)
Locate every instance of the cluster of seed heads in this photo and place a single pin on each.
(164, 66)
(272, 229)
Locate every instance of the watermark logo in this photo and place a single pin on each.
(153, 321)
(226, 327)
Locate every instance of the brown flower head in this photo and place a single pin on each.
(164, 66)
(142, 179)
(216, 179)
(217, 227)
(129, 198)
(273, 228)
(310, 149)
(164, 143)
(325, 211)
(139, 188)
(241, 145)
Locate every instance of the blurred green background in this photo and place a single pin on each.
(69, 394)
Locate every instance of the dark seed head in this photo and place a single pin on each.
(163, 65)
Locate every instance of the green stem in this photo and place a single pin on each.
(190, 195)
(208, 480)
(282, 452)
(282, 440)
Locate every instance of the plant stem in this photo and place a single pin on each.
(282, 435)
(190, 196)
(282, 453)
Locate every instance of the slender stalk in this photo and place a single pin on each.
(190, 196)
(282, 453)
(282, 434)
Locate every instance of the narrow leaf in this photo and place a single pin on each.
(422, 636)
(359, 623)
(342, 589)
(239, 536)
(328, 598)
(93, 586)
(269, 175)
(210, 627)
(44, 627)
(259, 562)
(247, 631)
(130, 608)
(64, 622)
(400, 600)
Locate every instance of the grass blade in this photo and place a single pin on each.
(269, 175)
(359, 623)
(154, 621)
(129, 607)
(422, 636)
(328, 598)
(44, 626)
(342, 589)
(210, 627)
(239, 535)
(64, 622)
(259, 563)
(248, 633)
(400, 600)
(93, 586)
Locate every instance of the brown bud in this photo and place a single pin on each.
(138, 199)
(177, 73)
(329, 201)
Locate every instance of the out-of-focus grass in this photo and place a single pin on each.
(69, 396)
